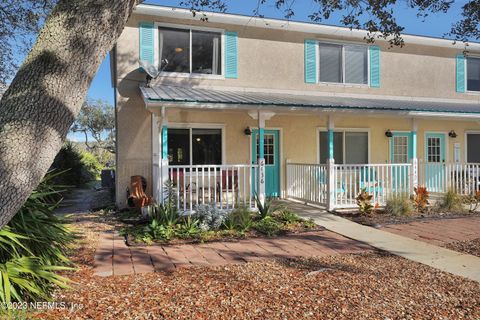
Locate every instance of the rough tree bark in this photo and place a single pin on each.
(47, 93)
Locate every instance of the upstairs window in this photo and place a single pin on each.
(473, 74)
(347, 64)
(190, 51)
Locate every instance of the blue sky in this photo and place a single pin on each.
(434, 25)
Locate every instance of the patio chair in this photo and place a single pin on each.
(228, 184)
(368, 181)
(136, 193)
(320, 176)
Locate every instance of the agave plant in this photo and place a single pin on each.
(264, 209)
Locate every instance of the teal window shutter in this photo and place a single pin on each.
(231, 55)
(310, 61)
(460, 73)
(146, 42)
(375, 66)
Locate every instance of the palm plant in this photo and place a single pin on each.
(33, 247)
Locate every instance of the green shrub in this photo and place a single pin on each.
(33, 247)
(309, 224)
(451, 201)
(268, 226)
(92, 165)
(239, 219)
(158, 231)
(69, 158)
(287, 216)
(399, 204)
(188, 228)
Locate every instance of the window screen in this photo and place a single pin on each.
(206, 48)
(337, 147)
(174, 46)
(179, 146)
(330, 63)
(473, 74)
(206, 146)
(356, 147)
(473, 147)
(356, 64)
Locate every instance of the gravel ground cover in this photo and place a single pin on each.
(470, 247)
(362, 286)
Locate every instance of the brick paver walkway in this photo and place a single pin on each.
(439, 232)
(113, 257)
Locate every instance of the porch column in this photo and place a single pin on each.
(414, 159)
(156, 159)
(261, 157)
(164, 162)
(330, 167)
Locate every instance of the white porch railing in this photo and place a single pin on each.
(379, 180)
(227, 186)
(311, 182)
(463, 178)
(307, 182)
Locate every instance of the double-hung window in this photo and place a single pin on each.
(190, 51)
(194, 146)
(343, 63)
(473, 73)
(349, 147)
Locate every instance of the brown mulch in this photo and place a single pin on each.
(364, 286)
(382, 218)
(470, 247)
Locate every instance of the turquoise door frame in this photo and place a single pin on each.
(272, 160)
(435, 157)
(399, 174)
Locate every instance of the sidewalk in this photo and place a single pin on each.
(464, 265)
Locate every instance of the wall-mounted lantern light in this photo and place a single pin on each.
(452, 134)
(248, 131)
(388, 133)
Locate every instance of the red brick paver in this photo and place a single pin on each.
(439, 232)
(114, 257)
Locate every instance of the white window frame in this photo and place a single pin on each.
(466, 75)
(190, 28)
(467, 132)
(343, 131)
(343, 44)
(191, 126)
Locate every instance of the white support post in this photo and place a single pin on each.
(164, 149)
(330, 167)
(261, 158)
(414, 159)
(156, 154)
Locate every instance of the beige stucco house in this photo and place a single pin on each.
(247, 106)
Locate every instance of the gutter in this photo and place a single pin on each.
(277, 24)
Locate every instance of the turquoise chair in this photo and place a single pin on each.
(368, 181)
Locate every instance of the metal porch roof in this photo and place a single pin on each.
(182, 94)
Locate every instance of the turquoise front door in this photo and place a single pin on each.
(401, 151)
(435, 159)
(272, 160)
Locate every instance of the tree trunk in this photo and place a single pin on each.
(47, 93)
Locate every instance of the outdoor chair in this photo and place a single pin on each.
(136, 193)
(368, 180)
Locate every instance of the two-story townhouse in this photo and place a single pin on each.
(249, 106)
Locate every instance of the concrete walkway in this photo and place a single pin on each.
(464, 265)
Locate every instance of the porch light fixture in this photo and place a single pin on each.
(452, 134)
(248, 131)
(388, 133)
